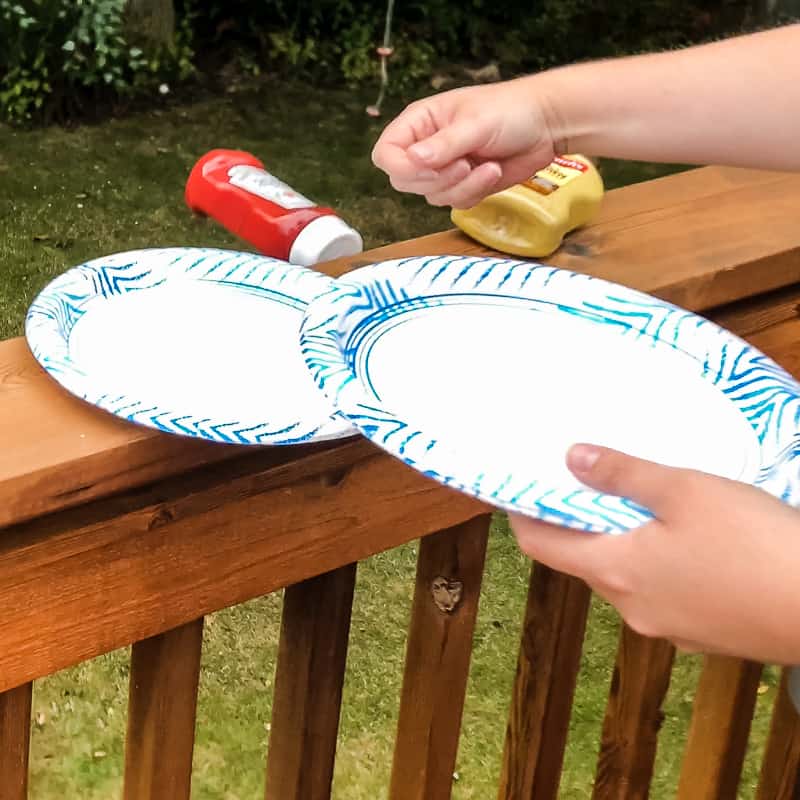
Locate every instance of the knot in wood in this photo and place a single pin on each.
(446, 594)
(161, 517)
(577, 249)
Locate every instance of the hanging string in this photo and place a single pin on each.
(384, 52)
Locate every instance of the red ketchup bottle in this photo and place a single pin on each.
(233, 188)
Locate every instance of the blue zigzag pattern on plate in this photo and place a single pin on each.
(59, 307)
(342, 326)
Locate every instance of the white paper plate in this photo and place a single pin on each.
(194, 342)
(481, 372)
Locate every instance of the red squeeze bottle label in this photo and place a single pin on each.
(235, 189)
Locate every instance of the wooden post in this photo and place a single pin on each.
(308, 686)
(723, 712)
(449, 574)
(780, 769)
(15, 731)
(547, 669)
(633, 717)
(165, 670)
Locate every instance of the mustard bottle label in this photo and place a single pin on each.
(557, 174)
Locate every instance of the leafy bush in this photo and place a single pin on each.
(59, 55)
(333, 39)
(338, 37)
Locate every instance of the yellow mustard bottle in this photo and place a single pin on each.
(532, 218)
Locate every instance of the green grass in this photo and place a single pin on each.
(70, 195)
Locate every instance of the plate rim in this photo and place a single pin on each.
(58, 306)
(320, 336)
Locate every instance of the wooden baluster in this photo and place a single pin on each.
(723, 711)
(308, 687)
(547, 669)
(15, 733)
(162, 706)
(449, 574)
(780, 769)
(633, 717)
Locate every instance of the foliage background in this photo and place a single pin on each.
(68, 59)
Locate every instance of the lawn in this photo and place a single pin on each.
(70, 195)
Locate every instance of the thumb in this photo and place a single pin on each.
(460, 138)
(611, 472)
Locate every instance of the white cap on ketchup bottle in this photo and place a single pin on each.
(325, 238)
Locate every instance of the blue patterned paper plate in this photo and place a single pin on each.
(481, 372)
(194, 342)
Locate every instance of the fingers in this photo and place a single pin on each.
(608, 564)
(416, 123)
(457, 185)
(604, 563)
(480, 182)
(393, 159)
(424, 139)
(447, 148)
(590, 556)
(521, 167)
(390, 153)
(654, 486)
(461, 137)
(428, 181)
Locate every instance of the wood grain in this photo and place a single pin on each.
(780, 343)
(59, 451)
(308, 686)
(15, 733)
(689, 238)
(757, 314)
(448, 582)
(163, 556)
(780, 768)
(165, 671)
(721, 719)
(547, 670)
(633, 717)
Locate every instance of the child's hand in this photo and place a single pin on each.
(689, 106)
(717, 571)
(460, 146)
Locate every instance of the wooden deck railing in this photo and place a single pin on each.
(112, 535)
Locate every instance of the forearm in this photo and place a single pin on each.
(735, 102)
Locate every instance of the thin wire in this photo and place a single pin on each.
(384, 52)
(387, 30)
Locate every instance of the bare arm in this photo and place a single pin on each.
(733, 102)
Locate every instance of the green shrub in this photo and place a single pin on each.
(60, 57)
(57, 56)
(320, 39)
(337, 38)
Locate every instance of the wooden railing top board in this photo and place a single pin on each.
(700, 238)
